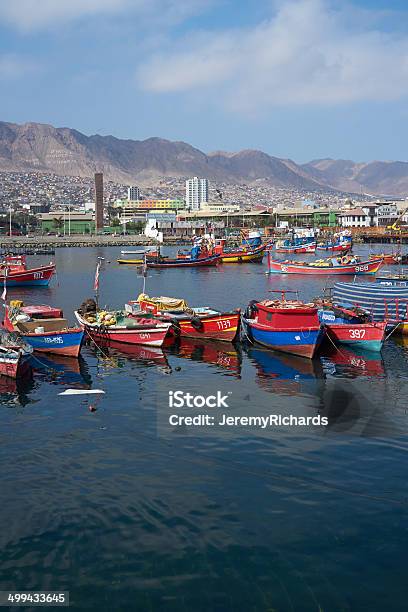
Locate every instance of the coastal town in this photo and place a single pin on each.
(47, 204)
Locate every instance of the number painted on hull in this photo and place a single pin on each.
(357, 334)
(224, 324)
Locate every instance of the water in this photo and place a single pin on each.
(101, 497)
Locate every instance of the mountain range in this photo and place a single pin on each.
(44, 148)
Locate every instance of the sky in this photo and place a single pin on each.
(299, 79)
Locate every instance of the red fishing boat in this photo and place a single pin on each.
(368, 336)
(290, 326)
(330, 267)
(124, 331)
(352, 326)
(14, 356)
(197, 322)
(183, 262)
(243, 254)
(389, 259)
(333, 248)
(14, 270)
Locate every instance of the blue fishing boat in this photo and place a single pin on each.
(288, 326)
(44, 328)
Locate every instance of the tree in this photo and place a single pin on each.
(58, 223)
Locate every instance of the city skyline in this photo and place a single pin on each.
(300, 79)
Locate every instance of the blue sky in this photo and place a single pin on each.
(296, 78)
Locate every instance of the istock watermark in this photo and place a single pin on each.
(181, 399)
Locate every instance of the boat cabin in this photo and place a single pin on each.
(286, 314)
(15, 263)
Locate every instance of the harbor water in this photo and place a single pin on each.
(102, 497)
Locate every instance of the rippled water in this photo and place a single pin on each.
(102, 498)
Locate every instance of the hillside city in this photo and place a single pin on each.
(42, 203)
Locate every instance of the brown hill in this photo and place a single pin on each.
(44, 148)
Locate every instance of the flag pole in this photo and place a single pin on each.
(96, 281)
(144, 272)
(4, 294)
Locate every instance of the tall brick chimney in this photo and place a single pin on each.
(99, 201)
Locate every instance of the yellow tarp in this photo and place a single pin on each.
(164, 303)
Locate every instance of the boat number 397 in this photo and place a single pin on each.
(223, 324)
(38, 275)
(357, 333)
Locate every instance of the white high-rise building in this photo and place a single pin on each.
(196, 193)
(133, 193)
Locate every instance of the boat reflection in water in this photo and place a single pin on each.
(62, 370)
(352, 363)
(138, 353)
(285, 374)
(225, 355)
(15, 391)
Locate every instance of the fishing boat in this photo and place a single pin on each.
(334, 247)
(44, 328)
(182, 262)
(115, 327)
(14, 356)
(289, 326)
(353, 327)
(333, 266)
(296, 244)
(241, 254)
(133, 262)
(144, 252)
(390, 259)
(385, 302)
(193, 322)
(14, 272)
(341, 242)
(251, 239)
(293, 248)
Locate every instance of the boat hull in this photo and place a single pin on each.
(368, 336)
(66, 342)
(35, 277)
(184, 263)
(118, 336)
(305, 248)
(222, 327)
(14, 368)
(335, 248)
(365, 267)
(303, 343)
(241, 256)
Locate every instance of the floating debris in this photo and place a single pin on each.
(82, 392)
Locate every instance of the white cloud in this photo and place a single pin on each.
(308, 52)
(27, 15)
